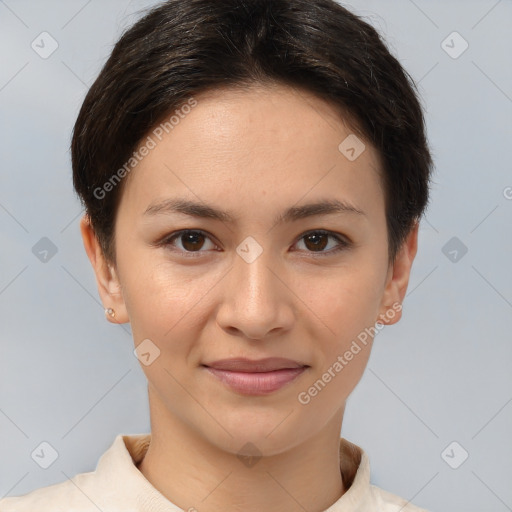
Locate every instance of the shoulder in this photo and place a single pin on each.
(115, 485)
(82, 493)
(361, 495)
(60, 497)
(389, 502)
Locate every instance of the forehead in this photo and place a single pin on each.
(256, 147)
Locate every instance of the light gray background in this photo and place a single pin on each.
(442, 374)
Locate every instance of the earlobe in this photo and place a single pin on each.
(107, 280)
(398, 280)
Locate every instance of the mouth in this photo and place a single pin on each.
(256, 377)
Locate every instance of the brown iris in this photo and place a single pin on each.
(192, 241)
(318, 241)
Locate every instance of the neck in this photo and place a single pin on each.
(196, 475)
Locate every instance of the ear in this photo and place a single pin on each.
(107, 280)
(398, 279)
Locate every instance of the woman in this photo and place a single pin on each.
(253, 174)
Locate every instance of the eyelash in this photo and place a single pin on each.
(342, 242)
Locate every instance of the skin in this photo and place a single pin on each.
(253, 153)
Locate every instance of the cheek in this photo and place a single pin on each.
(163, 307)
(343, 300)
(347, 307)
(160, 295)
(329, 388)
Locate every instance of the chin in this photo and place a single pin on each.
(269, 431)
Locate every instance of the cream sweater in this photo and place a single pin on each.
(118, 486)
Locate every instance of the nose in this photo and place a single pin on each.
(256, 301)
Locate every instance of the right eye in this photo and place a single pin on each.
(190, 240)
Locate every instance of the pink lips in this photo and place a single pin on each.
(258, 377)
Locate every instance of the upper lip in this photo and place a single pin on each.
(255, 365)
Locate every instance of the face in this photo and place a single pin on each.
(259, 273)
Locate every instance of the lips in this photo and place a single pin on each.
(255, 366)
(256, 377)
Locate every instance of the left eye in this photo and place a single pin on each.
(315, 241)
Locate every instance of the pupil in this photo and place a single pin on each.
(191, 241)
(315, 238)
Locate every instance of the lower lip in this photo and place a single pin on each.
(257, 383)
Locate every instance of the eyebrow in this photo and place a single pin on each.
(293, 213)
